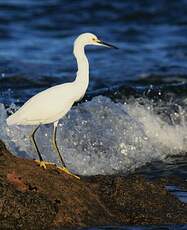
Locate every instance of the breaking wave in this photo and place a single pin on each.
(104, 137)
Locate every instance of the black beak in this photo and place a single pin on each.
(108, 45)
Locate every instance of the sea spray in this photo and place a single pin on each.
(102, 137)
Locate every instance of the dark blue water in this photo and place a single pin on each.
(36, 39)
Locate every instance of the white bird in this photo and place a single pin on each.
(52, 104)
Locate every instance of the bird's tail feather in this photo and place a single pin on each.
(11, 120)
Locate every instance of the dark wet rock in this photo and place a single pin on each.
(33, 198)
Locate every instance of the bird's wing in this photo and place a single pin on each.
(45, 106)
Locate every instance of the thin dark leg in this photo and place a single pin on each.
(34, 143)
(55, 145)
(63, 168)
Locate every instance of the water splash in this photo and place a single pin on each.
(169, 137)
(102, 137)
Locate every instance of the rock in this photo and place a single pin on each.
(34, 198)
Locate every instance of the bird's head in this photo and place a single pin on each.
(91, 39)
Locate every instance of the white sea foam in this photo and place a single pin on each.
(169, 139)
(102, 137)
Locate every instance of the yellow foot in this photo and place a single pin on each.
(43, 163)
(64, 169)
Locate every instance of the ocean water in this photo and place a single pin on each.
(36, 39)
(134, 114)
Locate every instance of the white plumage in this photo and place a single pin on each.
(46, 107)
(52, 104)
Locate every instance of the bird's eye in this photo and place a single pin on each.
(93, 39)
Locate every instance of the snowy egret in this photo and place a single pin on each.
(52, 104)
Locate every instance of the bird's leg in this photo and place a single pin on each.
(55, 147)
(54, 143)
(40, 161)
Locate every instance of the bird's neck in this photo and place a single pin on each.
(82, 78)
